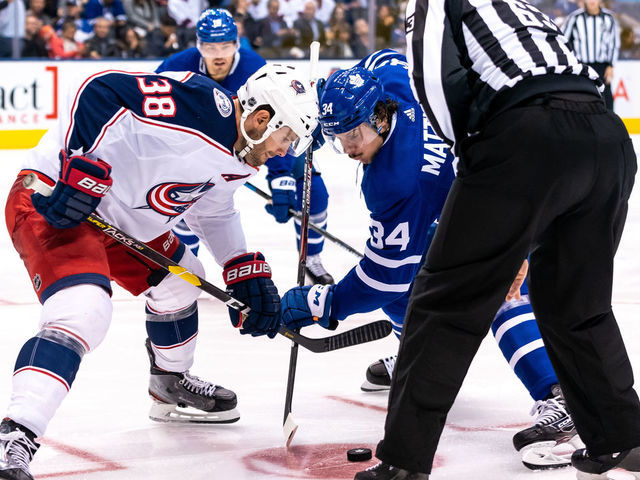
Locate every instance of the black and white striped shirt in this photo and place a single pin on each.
(468, 57)
(594, 38)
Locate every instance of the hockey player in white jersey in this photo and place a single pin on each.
(369, 112)
(219, 56)
(144, 151)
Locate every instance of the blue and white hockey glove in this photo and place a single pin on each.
(283, 193)
(248, 279)
(302, 306)
(82, 184)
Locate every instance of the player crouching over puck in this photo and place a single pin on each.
(144, 151)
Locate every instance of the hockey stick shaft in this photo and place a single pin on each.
(312, 225)
(32, 182)
(289, 425)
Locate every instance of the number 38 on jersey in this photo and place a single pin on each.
(157, 101)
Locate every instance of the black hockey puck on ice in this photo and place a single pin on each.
(359, 454)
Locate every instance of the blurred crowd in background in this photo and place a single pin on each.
(66, 29)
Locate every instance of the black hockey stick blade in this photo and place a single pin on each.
(356, 336)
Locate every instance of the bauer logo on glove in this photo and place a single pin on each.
(245, 271)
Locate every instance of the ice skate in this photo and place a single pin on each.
(316, 272)
(184, 398)
(597, 468)
(17, 447)
(384, 471)
(552, 439)
(379, 375)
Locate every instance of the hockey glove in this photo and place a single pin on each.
(283, 192)
(248, 279)
(302, 306)
(82, 184)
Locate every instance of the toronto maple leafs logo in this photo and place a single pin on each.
(356, 80)
(172, 199)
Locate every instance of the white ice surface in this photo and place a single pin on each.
(102, 431)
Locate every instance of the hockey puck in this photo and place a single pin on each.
(361, 454)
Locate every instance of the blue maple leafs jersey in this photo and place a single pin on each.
(404, 188)
(245, 63)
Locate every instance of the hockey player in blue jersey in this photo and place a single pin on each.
(219, 55)
(144, 151)
(369, 113)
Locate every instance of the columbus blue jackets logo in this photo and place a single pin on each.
(297, 86)
(222, 102)
(173, 199)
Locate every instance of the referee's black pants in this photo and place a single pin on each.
(551, 178)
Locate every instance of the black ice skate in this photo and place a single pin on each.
(384, 471)
(182, 397)
(552, 439)
(17, 447)
(596, 468)
(316, 272)
(379, 375)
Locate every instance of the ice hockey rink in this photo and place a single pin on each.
(102, 431)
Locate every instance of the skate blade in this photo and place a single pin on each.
(169, 413)
(547, 455)
(367, 386)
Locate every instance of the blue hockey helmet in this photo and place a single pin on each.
(347, 104)
(349, 98)
(216, 25)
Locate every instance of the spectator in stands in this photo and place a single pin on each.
(143, 15)
(132, 45)
(111, 10)
(360, 41)
(34, 44)
(103, 43)
(36, 7)
(308, 28)
(325, 10)
(290, 10)
(12, 24)
(258, 9)
(164, 41)
(274, 38)
(65, 45)
(629, 47)
(338, 39)
(356, 9)
(385, 22)
(247, 25)
(186, 12)
(339, 16)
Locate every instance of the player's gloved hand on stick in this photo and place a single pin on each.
(248, 279)
(302, 306)
(283, 193)
(82, 184)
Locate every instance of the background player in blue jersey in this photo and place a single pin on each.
(369, 113)
(219, 55)
(144, 151)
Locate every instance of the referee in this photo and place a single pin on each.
(544, 170)
(594, 36)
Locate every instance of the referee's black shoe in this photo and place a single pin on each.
(384, 471)
(595, 467)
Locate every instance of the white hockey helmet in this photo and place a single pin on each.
(292, 98)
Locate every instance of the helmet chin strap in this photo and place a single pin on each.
(251, 142)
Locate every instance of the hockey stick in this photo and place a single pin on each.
(312, 225)
(289, 425)
(365, 333)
